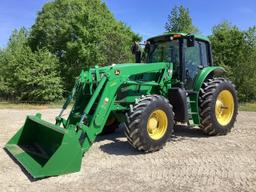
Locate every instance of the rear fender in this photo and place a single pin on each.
(215, 71)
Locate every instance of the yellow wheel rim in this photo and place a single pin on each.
(157, 124)
(224, 107)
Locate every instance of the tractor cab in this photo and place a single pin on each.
(188, 53)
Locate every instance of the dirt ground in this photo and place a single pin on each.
(190, 162)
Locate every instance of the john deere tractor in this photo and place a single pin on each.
(177, 84)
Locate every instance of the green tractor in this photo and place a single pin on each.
(177, 84)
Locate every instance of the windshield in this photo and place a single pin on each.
(167, 51)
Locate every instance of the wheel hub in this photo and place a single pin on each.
(157, 124)
(224, 107)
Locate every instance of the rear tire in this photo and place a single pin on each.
(218, 106)
(149, 123)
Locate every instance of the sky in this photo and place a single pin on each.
(145, 17)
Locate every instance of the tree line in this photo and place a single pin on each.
(41, 63)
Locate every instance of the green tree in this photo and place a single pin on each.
(233, 50)
(180, 20)
(250, 36)
(16, 47)
(249, 86)
(81, 33)
(3, 84)
(27, 75)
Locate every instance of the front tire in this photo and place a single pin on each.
(149, 123)
(218, 106)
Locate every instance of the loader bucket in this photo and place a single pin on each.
(45, 149)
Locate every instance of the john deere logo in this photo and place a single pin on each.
(117, 72)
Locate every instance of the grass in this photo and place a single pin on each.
(247, 106)
(9, 105)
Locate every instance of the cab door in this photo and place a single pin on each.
(196, 57)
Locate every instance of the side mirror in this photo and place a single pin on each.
(190, 41)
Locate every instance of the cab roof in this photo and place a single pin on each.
(197, 36)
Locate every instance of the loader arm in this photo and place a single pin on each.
(88, 118)
(46, 149)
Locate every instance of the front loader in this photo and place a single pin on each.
(177, 84)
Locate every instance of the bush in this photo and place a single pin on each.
(26, 75)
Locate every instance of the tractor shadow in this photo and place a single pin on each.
(120, 146)
(183, 132)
